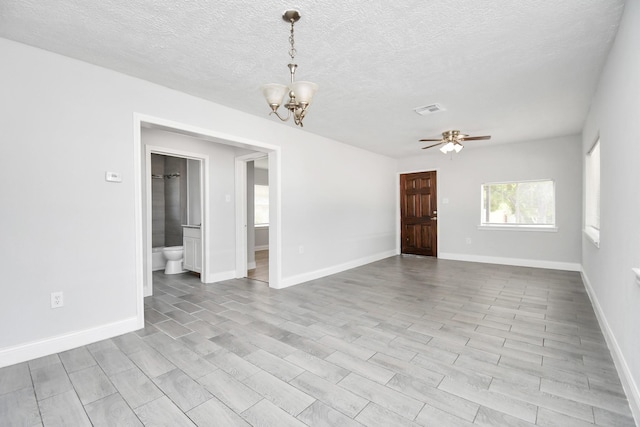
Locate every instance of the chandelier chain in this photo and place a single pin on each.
(292, 42)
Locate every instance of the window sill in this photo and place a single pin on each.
(542, 228)
(592, 235)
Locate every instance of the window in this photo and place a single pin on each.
(261, 205)
(519, 204)
(592, 196)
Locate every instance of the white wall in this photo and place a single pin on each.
(337, 201)
(194, 192)
(261, 234)
(261, 238)
(460, 177)
(251, 235)
(261, 176)
(65, 122)
(615, 116)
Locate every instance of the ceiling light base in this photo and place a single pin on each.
(291, 15)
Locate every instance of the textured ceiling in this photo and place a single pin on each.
(516, 70)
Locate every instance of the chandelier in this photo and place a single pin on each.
(300, 93)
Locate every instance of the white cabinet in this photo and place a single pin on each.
(192, 242)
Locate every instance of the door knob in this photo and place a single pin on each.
(435, 218)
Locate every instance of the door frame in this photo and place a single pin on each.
(242, 263)
(398, 201)
(274, 152)
(204, 209)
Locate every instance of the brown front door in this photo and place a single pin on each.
(419, 213)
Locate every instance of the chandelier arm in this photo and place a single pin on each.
(298, 115)
(280, 117)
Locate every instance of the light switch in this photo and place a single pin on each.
(445, 200)
(227, 198)
(112, 177)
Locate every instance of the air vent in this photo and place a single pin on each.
(429, 109)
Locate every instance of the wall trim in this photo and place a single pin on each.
(56, 344)
(219, 277)
(519, 262)
(323, 272)
(628, 384)
(261, 248)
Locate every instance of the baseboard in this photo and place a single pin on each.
(519, 262)
(317, 274)
(33, 350)
(628, 384)
(261, 248)
(219, 277)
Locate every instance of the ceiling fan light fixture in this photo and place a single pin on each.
(451, 141)
(300, 93)
(449, 146)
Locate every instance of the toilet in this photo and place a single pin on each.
(173, 255)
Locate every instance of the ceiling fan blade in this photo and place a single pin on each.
(475, 138)
(429, 146)
(427, 140)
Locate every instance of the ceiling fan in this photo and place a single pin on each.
(451, 141)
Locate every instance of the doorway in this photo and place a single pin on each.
(175, 196)
(257, 227)
(258, 219)
(210, 272)
(419, 213)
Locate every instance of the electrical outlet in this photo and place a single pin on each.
(300, 249)
(57, 300)
(468, 240)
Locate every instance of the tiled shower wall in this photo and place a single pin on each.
(169, 200)
(157, 201)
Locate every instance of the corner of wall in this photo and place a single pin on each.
(628, 384)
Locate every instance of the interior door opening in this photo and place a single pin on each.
(176, 212)
(211, 272)
(258, 219)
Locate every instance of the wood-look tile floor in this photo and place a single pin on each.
(261, 272)
(405, 341)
